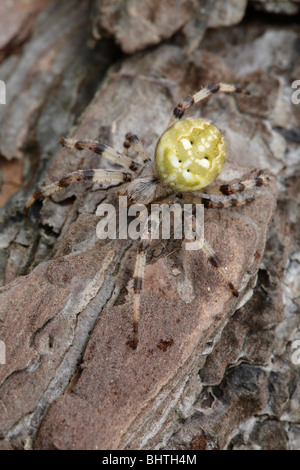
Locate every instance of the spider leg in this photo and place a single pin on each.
(216, 262)
(101, 149)
(132, 140)
(228, 189)
(213, 204)
(138, 278)
(211, 89)
(151, 226)
(214, 259)
(99, 176)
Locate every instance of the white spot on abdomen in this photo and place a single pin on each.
(174, 161)
(187, 175)
(203, 162)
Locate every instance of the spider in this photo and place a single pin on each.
(189, 156)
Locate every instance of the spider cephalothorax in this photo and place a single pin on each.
(189, 156)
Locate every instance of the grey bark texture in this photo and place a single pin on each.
(210, 371)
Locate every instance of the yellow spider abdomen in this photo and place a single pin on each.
(190, 154)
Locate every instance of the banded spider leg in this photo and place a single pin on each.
(211, 255)
(151, 225)
(132, 140)
(190, 100)
(93, 175)
(225, 190)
